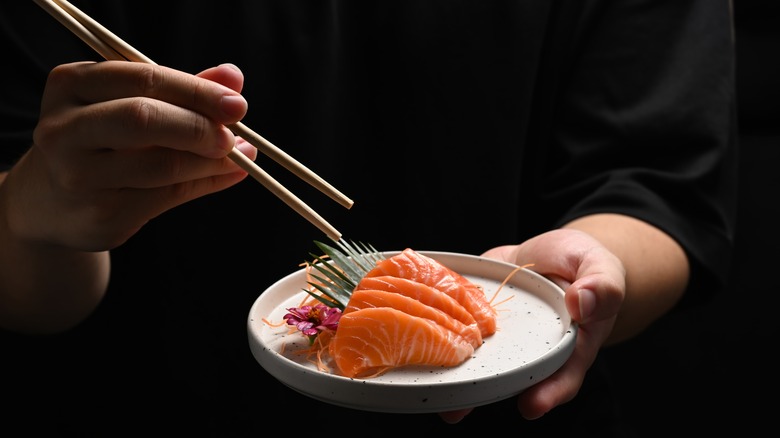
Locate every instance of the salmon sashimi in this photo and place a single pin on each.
(420, 292)
(414, 266)
(367, 298)
(372, 340)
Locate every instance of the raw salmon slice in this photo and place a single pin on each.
(420, 292)
(414, 266)
(367, 298)
(372, 340)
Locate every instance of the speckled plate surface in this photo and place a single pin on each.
(535, 337)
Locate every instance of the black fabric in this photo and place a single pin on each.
(454, 125)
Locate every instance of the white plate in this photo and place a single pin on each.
(535, 337)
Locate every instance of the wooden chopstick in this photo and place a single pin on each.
(111, 47)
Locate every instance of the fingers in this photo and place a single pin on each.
(135, 123)
(563, 385)
(226, 74)
(592, 277)
(97, 108)
(506, 253)
(599, 290)
(86, 83)
(118, 143)
(181, 147)
(119, 105)
(94, 219)
(453, 417)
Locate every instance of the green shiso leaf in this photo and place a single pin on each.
(341, 274)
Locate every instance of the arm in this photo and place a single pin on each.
(656, 269)
(45, 288)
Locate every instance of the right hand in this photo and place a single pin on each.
(119, 143)
(576, 262)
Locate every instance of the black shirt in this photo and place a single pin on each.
(454, 125)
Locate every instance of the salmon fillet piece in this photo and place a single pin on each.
(367, 298)
(414, 266)
(420, 292)
(372, 340)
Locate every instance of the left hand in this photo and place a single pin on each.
(594, 280)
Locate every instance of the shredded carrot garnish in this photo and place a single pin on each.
(273, 324)
(315, 354)
(506, 280)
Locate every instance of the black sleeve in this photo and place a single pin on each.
(644, 124)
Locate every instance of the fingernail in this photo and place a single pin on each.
(246, 148)
(234, 106)
(233, 66)
(587, 300)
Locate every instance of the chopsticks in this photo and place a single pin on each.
(112, 47)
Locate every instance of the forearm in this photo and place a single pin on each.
(657, 268)
(46, 288)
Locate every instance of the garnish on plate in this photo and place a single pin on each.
(378, 313)
(340, 276)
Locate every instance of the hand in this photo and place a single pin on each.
(594, 282)
(119, 143)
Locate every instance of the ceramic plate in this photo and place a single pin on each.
(535, 337)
